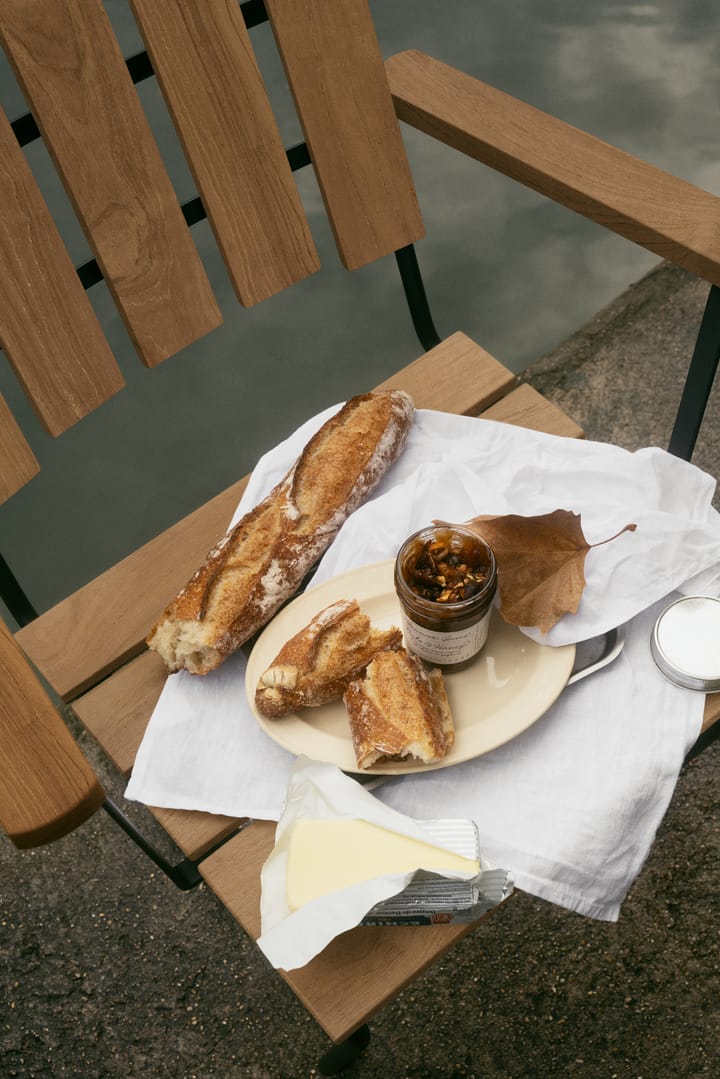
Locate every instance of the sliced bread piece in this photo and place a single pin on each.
(399, 710)
(316, 665)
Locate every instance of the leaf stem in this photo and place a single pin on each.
(627, 528)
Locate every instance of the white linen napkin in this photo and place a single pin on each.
(570, 807)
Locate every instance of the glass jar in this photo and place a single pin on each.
(446, 580)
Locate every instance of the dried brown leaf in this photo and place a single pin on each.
(541, 564)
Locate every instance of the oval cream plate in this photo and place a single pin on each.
(503, 692)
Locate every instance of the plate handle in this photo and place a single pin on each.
(611, 645)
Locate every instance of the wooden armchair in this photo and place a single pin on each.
(89, 649)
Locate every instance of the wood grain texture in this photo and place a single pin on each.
(359, 971)
(207, 71)
(18, 464)
(47, 787)
(48, 328)
(455, 376)
(335, 70)
(73, 74)
(116, 711)
(96, 629)
(712, 711)
(195, 833)
(666, 215)
(525, 407)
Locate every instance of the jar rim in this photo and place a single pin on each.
(682, 636)
(458, 606)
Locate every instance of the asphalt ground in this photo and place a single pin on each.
(109, 972)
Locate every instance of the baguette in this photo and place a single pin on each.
(399, 710)
(260, 562)
(316, 665)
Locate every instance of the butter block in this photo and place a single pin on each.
(325, 856)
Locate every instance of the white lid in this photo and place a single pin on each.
(686, 643)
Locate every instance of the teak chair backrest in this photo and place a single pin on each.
(47, 787)
(72, 72)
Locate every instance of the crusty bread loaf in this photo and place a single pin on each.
(399, 710)
(318, 663)
(261, 562)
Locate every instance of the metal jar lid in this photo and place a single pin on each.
(686, 643)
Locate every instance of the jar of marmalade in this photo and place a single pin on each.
(445, 579)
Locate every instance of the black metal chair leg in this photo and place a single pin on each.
(346, 1053)
(699, 381)
(416, 297)
(706, 739)
(184, 874)
(14, 597)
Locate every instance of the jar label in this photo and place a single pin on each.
(454, 647)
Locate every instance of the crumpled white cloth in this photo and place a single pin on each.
(570, 807)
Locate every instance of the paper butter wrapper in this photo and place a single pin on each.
(318, 791)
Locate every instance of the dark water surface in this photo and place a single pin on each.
(515, 272)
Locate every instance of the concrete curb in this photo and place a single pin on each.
(621, 375)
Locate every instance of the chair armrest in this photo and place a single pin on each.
(666, 215)
(47, 787)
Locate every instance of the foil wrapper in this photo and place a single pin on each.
(433, 900)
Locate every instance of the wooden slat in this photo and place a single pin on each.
(73, 74)
(712, 711)
(47, 787)
(359, 971)
(525, 407)
(48, 328)
(455, 376)
(93, 631)
(18, 464)
(203, 59)
(117, 711)
(195, 832)
(672, 218)
(335, 71)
